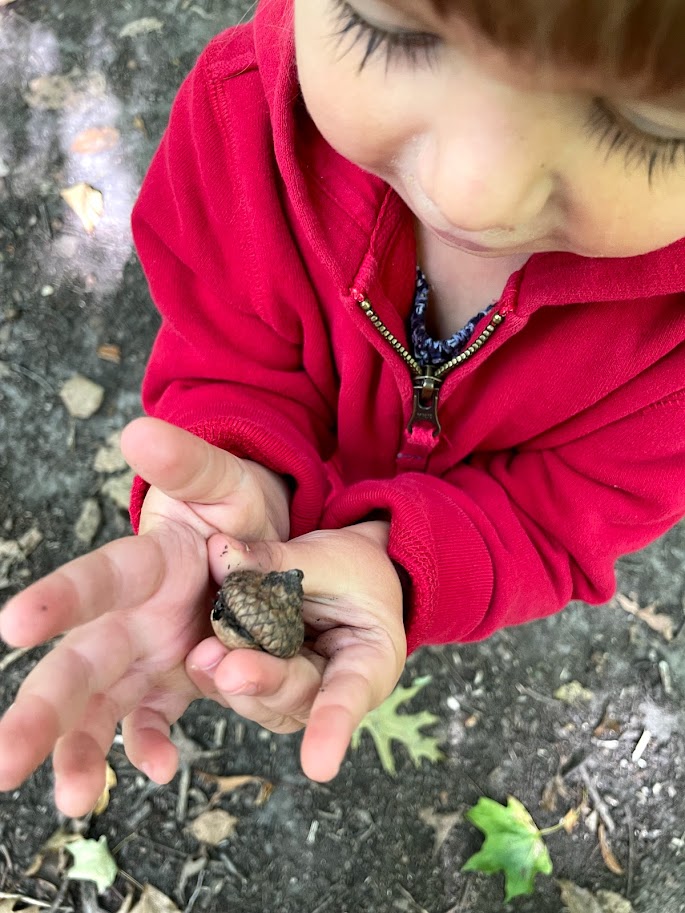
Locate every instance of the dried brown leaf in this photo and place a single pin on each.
(87, 202)
(570, 820)
(554, 789)
(442, 824)
(610, 861)
(109, 352)
(662, 624)
(110, 783)
(55, 844)
(213, 827)
(153, 901)
(578, 900)
(95, 139)
(227, 785)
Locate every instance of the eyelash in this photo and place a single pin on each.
(410, 47)
(417, 48)
(616, 134)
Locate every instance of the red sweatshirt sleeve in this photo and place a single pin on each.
(223, 367)
(515, 536)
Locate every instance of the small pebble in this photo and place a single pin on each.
(88, 522)
(81, 396)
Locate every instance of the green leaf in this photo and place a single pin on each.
(384, 725)
(513, 845)
(92, 862)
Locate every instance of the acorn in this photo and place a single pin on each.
(258, 611)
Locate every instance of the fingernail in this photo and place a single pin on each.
(208, 655)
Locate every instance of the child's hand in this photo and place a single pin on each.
(354, 654)
(134, 609)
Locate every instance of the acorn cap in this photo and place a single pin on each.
(260, 612)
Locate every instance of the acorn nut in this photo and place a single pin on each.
(260, 612)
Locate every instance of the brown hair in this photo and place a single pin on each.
(625, 39)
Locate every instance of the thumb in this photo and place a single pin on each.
(183, 466)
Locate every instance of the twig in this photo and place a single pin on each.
(196, 893)
(183, 786)
(409, 897)
(597, 800)
(523, 689)
(59, 896)
(631, 853)
(12, 657)
(33, 901)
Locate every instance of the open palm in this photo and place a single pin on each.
(133, 610)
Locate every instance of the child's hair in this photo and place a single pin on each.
(622, 39)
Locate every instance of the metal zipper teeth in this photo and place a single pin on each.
(497, 321)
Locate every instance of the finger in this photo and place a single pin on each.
(80, 758)
(54, 697)
(120, 575)
(356, 680)
(200, 665)
(183, 466)
(148, 746)
(273, 692)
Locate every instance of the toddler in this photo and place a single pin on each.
(421, 270)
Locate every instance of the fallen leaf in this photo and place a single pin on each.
(610, 861)
(606, 726)
(384, 725)
(513, 845)
(153, 901)
(578, 900)
(227, 785)
(662, 624)
(87, 202)
(95, 139)
(109, 352)
(554, 789)
(110, 783)
(92, 862)
(54, 844)
(141, 27)
(81, 396)
(573, 693)
(442, 824)
(213, 827)
(570, 820)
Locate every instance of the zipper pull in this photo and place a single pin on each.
(426, 390)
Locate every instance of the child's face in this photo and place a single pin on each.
(497, 158)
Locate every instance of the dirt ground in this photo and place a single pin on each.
(73, 303)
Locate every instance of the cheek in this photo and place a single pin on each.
(347, 107)
(620, 216)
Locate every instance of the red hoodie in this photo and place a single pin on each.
(285, 276)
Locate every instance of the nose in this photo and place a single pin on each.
(485, 164)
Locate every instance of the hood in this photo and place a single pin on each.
(348, 214)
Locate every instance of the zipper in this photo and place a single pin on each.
(428, 379)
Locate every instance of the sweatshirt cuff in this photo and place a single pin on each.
(269, 440)
(436, 542)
